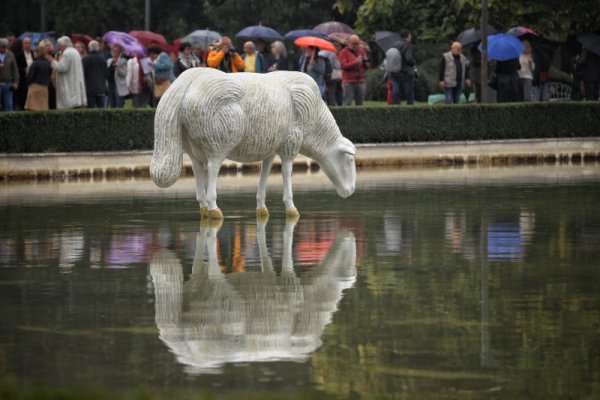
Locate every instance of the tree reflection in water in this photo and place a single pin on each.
(216, 318)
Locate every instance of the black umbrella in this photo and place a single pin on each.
(590, 41)
(387, 39)
(473, 35)
(257, 32)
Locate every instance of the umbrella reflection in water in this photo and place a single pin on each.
(215, 318)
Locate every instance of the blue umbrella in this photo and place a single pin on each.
(36, 37)
(257, 32)
(503, 47)
(295, 34)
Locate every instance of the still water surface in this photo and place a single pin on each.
(470, 283)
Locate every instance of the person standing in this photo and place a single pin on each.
(38, 80)
(163, 72)
(509, 89)
(117, 77)
(406, 78)
(453, 73)
(94, 71)
(24, 60)
(526, 71)
(590, 63)
(354, 61)
(253, 60)
(139, 81)
(279, 59)
(185, 60)
(9, 75)
(70, 83)
(312, 64)
(224, 57)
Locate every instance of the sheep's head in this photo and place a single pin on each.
(338, 165)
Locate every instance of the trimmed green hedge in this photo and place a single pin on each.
(131, 129)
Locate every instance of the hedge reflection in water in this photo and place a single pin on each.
(463, 290)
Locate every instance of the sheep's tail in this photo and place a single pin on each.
(167, 158)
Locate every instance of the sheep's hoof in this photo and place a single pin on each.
(292, 219)
(203, 212)
(215, 214)
(262, 212)
(292, 213)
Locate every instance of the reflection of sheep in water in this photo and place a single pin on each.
(247, 117)
(215, 318)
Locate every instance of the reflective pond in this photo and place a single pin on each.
(450, 283)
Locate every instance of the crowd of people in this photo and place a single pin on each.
(76, 75)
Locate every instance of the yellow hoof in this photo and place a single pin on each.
(204, 212)
(262, 219)
(262, 212)
(211, 223)
(292, 213)
(215, 214)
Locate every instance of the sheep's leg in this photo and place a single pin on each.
(288, 196)
(261, 194)
(200, 176)
(213, 168)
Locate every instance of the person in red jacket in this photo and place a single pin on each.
(354, 61)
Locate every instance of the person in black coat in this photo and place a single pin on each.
(509, 88)
(590, 65)
(24, 58)
(94, 71)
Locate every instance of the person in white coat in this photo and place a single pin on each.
(70, 81)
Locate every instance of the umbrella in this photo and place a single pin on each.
(590, 41)
(148, 38)
(333, 26)
(257, 32)
(308, 41)
(36, 37)
(519, 31)
(342, 37)
(387, 40)
(473, 34)
(202, 38)
(131, 46)
(295, 34)
(79, 37)
(502, 47)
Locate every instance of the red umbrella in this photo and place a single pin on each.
(308, 41)
(79, 37)
(148, 38)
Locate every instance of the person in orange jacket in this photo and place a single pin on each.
(224, 57)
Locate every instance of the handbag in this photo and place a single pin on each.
(493, 81)
(336, 75)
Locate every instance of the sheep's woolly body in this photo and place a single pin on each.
(243, 117)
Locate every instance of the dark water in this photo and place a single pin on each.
(433, 284)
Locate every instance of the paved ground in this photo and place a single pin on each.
(538, 151)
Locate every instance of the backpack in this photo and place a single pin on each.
(393, 61)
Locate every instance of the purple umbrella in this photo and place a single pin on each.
(131, 46)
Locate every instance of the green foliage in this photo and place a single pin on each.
(76, 130)
(125, 130)
(468, 122)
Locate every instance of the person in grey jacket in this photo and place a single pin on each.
(117, 77)
(9, 75)
(314, 65)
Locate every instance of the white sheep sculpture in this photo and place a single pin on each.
(247, 117)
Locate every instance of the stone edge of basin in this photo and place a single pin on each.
(127, 164)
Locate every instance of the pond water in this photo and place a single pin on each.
(450, 283)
